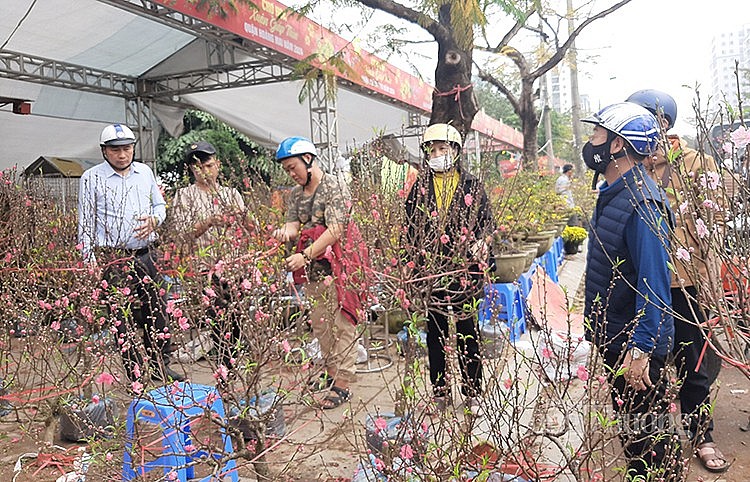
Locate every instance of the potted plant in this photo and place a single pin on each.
(572, 237)
(510, 261)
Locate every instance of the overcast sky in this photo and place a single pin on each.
(672, 53)
(661, 44)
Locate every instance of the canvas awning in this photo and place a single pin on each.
(79, 61)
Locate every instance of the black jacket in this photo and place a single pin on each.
(455, 273)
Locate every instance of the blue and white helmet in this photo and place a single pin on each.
(633, 123)
(116, 135)
(295, 146)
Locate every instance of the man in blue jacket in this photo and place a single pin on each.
(628, 287)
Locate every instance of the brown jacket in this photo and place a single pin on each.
(703, 268)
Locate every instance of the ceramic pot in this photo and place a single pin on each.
(571, 247)
(545, 240)
(508, 267)
(530, 249)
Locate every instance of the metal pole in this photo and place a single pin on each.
(575, 111)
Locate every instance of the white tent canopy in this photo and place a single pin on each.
(114, 37)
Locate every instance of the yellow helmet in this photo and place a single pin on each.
(442, 132)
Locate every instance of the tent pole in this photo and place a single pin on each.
(138, 114)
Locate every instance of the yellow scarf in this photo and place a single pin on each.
(445, 185)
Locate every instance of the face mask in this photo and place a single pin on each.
(440, 163)
(597, 157)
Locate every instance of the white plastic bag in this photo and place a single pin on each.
(563, 355)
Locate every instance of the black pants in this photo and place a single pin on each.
(468, 352)
(225, 321)
(695, 391)
(647, 431)
(129, 269)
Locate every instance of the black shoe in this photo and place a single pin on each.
(167, 375)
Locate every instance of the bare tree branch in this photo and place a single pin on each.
(487, 77)
(405, 13)
(560, 53)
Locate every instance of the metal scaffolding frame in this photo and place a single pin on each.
(222, 71)
(138, 113)
(41, 70)
(324, 120)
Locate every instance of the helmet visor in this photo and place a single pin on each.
(120, 142)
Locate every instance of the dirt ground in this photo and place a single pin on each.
(325, 445)
(732, 411)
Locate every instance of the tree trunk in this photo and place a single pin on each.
(529, 124)
(453, 101)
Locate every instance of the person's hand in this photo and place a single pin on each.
(282, 235)
(295, 262)
(148, 226)
(220, 220)
(636, 371)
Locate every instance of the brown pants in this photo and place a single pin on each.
(335, 333)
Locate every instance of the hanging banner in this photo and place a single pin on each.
(273, 25)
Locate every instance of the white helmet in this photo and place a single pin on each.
(632, 122)
(442, 132)
(117, 135)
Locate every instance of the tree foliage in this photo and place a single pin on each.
(562, 136)
(496, 105)
(239, 155)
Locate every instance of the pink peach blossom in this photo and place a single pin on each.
(406, 452)
(582, 373)
(683, 254)
(380, 424)
(105, 378)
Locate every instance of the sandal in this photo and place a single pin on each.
(323, 382)
(334, 401)
(708, 452)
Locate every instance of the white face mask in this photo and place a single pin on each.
(440, 163)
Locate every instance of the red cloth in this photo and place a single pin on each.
(350, 268)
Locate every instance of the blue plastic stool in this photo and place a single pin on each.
(507, 295)
(167, 414)
(549, 263)
(559, 249)
(526, 281)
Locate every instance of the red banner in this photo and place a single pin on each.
(273, 25)
(495, 129)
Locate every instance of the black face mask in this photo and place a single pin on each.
(597, 158)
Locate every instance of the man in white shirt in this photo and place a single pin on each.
(564, 187)
(564, 184)
(119, 208)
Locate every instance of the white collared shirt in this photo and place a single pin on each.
(110, 205)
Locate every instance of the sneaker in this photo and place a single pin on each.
(196, 349)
